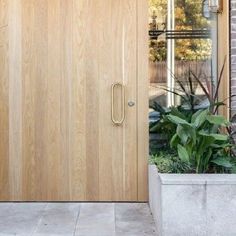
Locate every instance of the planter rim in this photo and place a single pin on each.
(195, 179)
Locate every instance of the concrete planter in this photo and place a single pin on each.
(193, 205)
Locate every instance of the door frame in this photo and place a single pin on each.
(224, 54)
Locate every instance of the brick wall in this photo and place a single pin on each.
(233, 55)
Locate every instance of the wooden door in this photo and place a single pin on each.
(58, 140)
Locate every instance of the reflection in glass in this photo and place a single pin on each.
(188, 45)
(183, 40)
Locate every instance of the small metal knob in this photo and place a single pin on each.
(131, 103)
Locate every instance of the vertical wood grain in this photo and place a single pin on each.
(4, 108)
(223, 53)
(105, 79)
(15, 100)
(117, 48)
(40, 52)
(142, 91)
(53, 111)
(78, 166)
(29, 182)
(66, 40)
(130, 79)
(92, 98)
(4, 4)
(63, 58)
(4, 113)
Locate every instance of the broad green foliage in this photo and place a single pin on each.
(199, 142)
(163, 126)
(194, 139)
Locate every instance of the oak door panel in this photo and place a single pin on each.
(64, 58)
(3, 13)
(4, 114)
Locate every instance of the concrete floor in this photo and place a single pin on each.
(76, 219)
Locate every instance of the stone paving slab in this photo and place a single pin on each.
(76, 219)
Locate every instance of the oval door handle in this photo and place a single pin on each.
(121, 121)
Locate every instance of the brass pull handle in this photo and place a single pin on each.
(118, 122)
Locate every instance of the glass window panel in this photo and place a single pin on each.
(190, 44)
(183, 41)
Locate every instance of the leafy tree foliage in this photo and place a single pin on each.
(188, 16)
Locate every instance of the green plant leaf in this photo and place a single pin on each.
(193, 135)
(221, 146)
(200, 117)
(206, 160)
(176, 120)
(154, 128)
(217, 120)
(174, 141)
(205, 142)
(221, 161)
(220, 137)
(195, 115)
(203, 133)
(182, 133)
(183, 154)
(175, 112)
